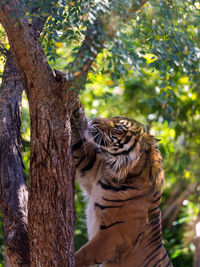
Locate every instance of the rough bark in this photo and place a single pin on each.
(13, 190)
(51, 199)
(10, 95)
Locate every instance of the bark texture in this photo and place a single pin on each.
(51, 205)
(13, 189)
(51, 198)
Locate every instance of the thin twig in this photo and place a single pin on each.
(3, 51)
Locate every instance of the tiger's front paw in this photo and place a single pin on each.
(78, 120)
(78, 113)
(78, 262)
(81, 259)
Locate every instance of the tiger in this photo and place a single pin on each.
(119, 168)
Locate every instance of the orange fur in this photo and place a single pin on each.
(119, 167)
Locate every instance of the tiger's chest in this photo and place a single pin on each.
(107, 207)
(92, 219)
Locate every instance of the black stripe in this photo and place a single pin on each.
(115, 200)
(109, 134)
(160, 259)
(157, 173)
(156, 234)
(119, 145)
(135, 132)
(151, 260)
(157, 207)
(125, 152)
(102, 207)
(158, 247)
(80, 160)
(156, 193)
(155, 228)
(153, 216)
(117, 189)
(128, 138)
(131, 198)
(157, 199)
(97, 169)
(103, 143)
(112, 164)
(123, 200)
(96, 262)
(156, 239)
(150, 174)
(138, 237)
(156, 221)
(104, 227)
(90, 164)
(148, 151)
(78, 144)
(130, 176)
(168, 264)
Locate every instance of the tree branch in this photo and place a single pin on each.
(171, 212)
(29, 55)
(38, 19)
(94, 42)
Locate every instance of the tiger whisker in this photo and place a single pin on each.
(103, 135)
(80, 133)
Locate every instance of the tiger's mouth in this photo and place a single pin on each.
(96, 136)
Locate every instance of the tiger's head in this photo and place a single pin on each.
(122, 142)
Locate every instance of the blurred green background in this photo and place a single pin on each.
(149, 72)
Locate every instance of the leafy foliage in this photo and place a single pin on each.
(147, 69)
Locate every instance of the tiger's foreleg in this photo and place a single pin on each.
(78, 124)
(103, 247)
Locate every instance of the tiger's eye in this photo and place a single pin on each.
(118, 129)
(111, 124)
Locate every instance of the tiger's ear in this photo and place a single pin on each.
(148, 139)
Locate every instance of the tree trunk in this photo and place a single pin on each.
(13, 190)
(51, 197)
